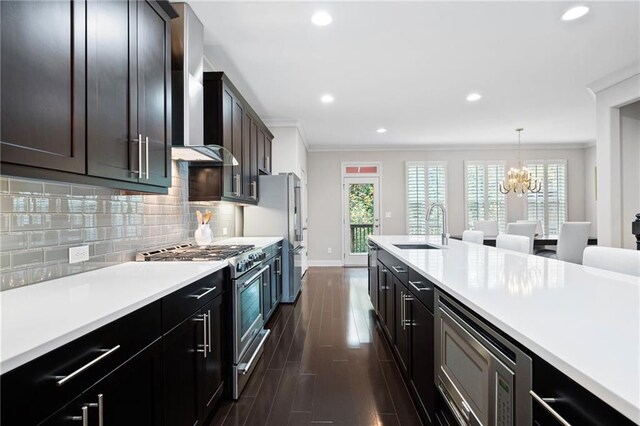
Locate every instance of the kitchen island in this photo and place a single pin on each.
(583, 321)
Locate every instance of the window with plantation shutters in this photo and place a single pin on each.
(426, 184)
(550, 205)
(483, 199)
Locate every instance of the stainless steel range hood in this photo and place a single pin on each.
(187, 67)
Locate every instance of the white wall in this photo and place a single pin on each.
(325, 189)
(590, 202)
(630, 158)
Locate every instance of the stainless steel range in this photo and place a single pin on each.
(248, 276)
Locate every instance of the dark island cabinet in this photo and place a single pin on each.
(403, 301)
(43, 84)
(230, 122)
(85, 92)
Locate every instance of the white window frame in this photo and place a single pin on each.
(484, 163)
(546, 163)
(426, 165)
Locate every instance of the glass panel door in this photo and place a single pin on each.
(361, 218)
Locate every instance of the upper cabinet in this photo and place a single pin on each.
(231, 122)
(86, 92)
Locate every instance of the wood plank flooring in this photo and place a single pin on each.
(326, 362)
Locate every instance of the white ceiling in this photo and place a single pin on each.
(408, 66)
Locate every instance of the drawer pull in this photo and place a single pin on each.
(84, 418)
(200, 296)
(65, 379)
(422, 285)
(399, 269)
(550, 410)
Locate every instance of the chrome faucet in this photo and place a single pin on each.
(445, 221)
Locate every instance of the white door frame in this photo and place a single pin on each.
(376, 178)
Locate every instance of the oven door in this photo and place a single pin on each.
(475, 384)
(247, 311)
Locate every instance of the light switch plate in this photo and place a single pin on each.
(225, 231)
(387, 214)
(329, 250)
(78, 254)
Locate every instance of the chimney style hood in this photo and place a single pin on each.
(187, 67)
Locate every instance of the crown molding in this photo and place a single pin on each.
(286, 122)
(614, 78)
(453, 147)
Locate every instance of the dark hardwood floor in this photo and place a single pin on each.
(326, 362)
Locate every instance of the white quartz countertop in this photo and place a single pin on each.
(259, 242)
(583, 321)
(39, 318)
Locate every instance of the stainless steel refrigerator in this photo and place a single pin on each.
(279, 213)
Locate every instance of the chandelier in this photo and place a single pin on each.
(519, 180)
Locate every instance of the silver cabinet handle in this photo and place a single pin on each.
(65, 379)
(236, 184)
(279, 260)
(407, 298)
(147, 157)
(84, 418)
(415, 284)
(384, 270)
(204, 347)
(402, 319)
(245, 367)
(100, 406)
(200, 296)
(399, 269)
(254, 189)
(209, 329)
(550, 410)
(139, 141)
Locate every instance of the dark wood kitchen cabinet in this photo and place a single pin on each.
(86, 92)
(193, 352)
(421, 354)
(232, 123)
(272, 282)
(401, 343)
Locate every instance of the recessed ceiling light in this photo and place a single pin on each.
(321, 18)
(575, 13)
(381, 130)
(473, 97)
(327, 99)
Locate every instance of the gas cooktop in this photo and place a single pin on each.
(190, 252)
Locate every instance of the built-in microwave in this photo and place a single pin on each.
(483, 377)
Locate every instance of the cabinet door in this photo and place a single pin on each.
(112, 139)
(261, 152)
(211, 383)
(236, 138)
(421, 343)
(266, 292)
(132, 394)
(373, 280)
(390, 307)
(42, 87)
(254, 157)
(402, 334)
(71, 414)
(183, 356)
(267, 153)
(382, 292)
(154, 85)
(248, 188)
(276, 281)
(227, 139)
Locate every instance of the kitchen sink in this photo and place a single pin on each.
(416, 247)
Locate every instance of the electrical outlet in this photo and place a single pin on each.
(329, 250)
(225, 231)
(78, 254)
(387, 214)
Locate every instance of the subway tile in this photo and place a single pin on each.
(77, 220)
(90, 206)
(113, 257)
(43, 239)
(15, 204)
(82, 191)
(45, 205)
(70, 268)
(56, 189)
(26, 258)
(4, 185)
(102, 247)
(5, 261)
(14, 279)
(20, 186)
(5, 222)
(56, 254)
(57, 221)
(10, 242)
(121, 245)
(25, 222)
(106, 192)
(72, 205)
(70, 236)
(44, 273)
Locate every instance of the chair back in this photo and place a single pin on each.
(489, 227)
(513, 242)
(524, 229)
(538, 223)
(476, 237)
(612, 259)
(572, 241)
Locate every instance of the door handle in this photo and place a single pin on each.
(84, 418)
(64, 379)
(209, 327)
(100, 406)
(204, 348)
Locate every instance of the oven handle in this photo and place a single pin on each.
(244, 368)
(254, 276)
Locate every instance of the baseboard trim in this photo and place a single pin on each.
(325, 263)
